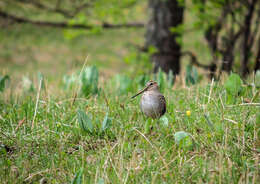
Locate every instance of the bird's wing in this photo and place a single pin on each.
(162, 104)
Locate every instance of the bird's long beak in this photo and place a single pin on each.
(140, 92)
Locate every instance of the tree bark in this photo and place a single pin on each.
(228, 52)
(246, 38)
(165, 14)
(257, 60)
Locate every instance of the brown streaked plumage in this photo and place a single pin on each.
(153, 103)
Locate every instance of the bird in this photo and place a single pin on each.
(153, 103)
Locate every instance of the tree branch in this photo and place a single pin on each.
(56, 9)
(194, 60)
(66, 24)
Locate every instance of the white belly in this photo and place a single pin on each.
(150, 105)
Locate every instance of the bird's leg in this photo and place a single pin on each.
(147, 127)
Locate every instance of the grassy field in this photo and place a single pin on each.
(41, 138)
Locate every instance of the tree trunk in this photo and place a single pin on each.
(257, 60)
(228, 59)
(165, 14)
(246, 37)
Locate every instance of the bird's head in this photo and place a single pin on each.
(150, 86)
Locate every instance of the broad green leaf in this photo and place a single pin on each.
(85, 122)
(195, 74)
(101, 181)
(141, 80)
(170, 79)
(27, 84)
(191, 75)
(71, 81)
(124, 83)
(183, 139)
(89, 81)
(164, 120)
(2, 82)
(78, 177)
(106, 123)
(161, 80)
(233, 85)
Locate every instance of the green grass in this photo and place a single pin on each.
(26, 49)
(225, 144)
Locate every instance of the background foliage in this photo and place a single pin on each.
(65, 110)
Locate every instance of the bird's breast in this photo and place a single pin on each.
(151, 104)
